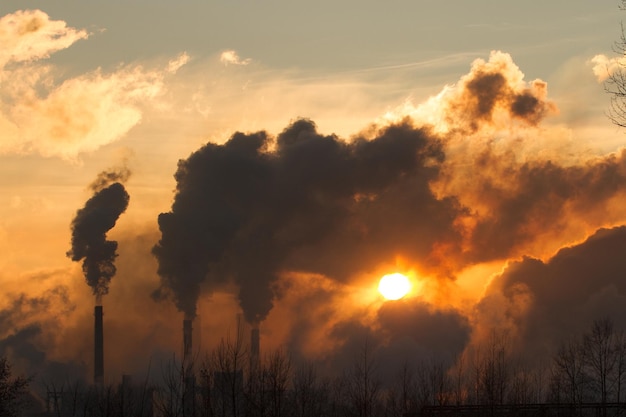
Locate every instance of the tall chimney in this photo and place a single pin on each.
(187, 331)
(188, 375)
(254, 347)
(98, 362)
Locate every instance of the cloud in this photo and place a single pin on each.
(492, 96)
(81, 114)
(29, 35)
(445, 197)
(543, 303)
(231, 57)
(175, 64)
(32, 324)
(604, 67)
(296, 226)
(253, 207)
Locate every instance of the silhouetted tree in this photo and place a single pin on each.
(569, 377)
(599, 356)
(402, 396)
(278, 368)
(526, 385)
(616, 83)
(620, 370)
(363, 384)
(228, 360)
(492, 369)
(309, 393)
(592, 367)
(13, 390)
(460, 383)
(169, 399)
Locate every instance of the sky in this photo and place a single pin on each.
(464, 144)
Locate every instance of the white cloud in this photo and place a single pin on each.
(231, 57)
(174, 65)
(40, 114)
(82, 114)
(603, 67)
(28, 35)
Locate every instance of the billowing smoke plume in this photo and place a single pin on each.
(494, 89)
(246, 210)
(254, 207)
(90, 226)
(546, 302)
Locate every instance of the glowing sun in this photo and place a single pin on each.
(394, 286)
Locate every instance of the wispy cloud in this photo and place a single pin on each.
(40, 114)
(231, 57)
(604, 67)
(30, 35)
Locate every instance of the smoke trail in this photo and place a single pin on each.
(90, 226)
(105, 178)
(254, 207)
(244, 212)
(493, 89)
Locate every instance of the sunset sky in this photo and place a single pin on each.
(463, 144)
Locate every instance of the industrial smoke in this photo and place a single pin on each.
(89, 243)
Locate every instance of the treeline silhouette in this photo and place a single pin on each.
(585, 377)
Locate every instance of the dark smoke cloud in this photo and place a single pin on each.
(89, 229)
(245, 211)
(255, 208)
(406, 332)
(105, 178)
(496, 86)
(547, 302)
(526, 200)
(22, 307)
(433, 329)
(27, 332)
(251, 208)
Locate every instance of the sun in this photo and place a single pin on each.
(394, 286)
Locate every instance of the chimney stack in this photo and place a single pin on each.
(189, 396)
(254, 347)
(187, 352)
(98, 363)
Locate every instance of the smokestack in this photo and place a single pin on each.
(187, 330)
(98, 363)
(189, 377)
(254, 347)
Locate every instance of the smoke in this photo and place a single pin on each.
(543, 303)
(90, 226)
(252, 207)
(29, 35)
(29, 327)
(524, 201)
(261, 214)
(44, 113)
(108, 177)
(496, 89)
(470, 190)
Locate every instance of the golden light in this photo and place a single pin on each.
(394, 286)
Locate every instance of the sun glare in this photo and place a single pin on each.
(394, 286)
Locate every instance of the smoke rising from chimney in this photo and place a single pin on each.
(90, 226)
(257, 207)
(243, 209)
